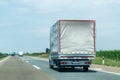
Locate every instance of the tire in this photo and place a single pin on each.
(85, 68)
(58, 66)
(50, 66)
(59, 69)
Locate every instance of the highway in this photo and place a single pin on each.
(27, 68)
(16, 69)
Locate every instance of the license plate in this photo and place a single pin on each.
(76, 62)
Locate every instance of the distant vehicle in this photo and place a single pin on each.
(13, 54)
(72, 44)
(20, 54)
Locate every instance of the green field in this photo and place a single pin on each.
(41, 54)
(2, 56)
(108, 62)
(111, 57)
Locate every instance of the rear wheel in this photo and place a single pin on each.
(85, 68)
(58, 66)
(50, 66)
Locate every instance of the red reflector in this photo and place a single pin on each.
(87, 62)
(63, 62)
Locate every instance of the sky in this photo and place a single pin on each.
(25, 24)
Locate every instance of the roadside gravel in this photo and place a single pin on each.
(106, 68)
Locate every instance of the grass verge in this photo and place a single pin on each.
(108, 62)
(1, 58)
(42, 55)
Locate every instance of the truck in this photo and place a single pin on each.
(72, 44)
(20, 54)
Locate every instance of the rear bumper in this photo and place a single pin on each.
(73, 62)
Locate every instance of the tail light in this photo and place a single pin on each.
(63, 62)
(87, 62)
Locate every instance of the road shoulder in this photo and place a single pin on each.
(106, 68)
(4, 59)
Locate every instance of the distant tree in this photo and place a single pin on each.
(47, 50)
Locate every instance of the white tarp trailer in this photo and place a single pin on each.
(72, 44)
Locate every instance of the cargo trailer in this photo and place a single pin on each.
(72, 44)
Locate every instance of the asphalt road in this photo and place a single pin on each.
(27, 68)
(16, 69)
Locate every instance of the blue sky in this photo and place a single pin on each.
(25, 24)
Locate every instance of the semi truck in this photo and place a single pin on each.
(72, 44)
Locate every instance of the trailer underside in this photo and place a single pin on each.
(64, 63)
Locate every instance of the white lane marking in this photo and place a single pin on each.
(110, 72)
(36, 67)
(100, 70)
(27, 61)
(96, 69)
